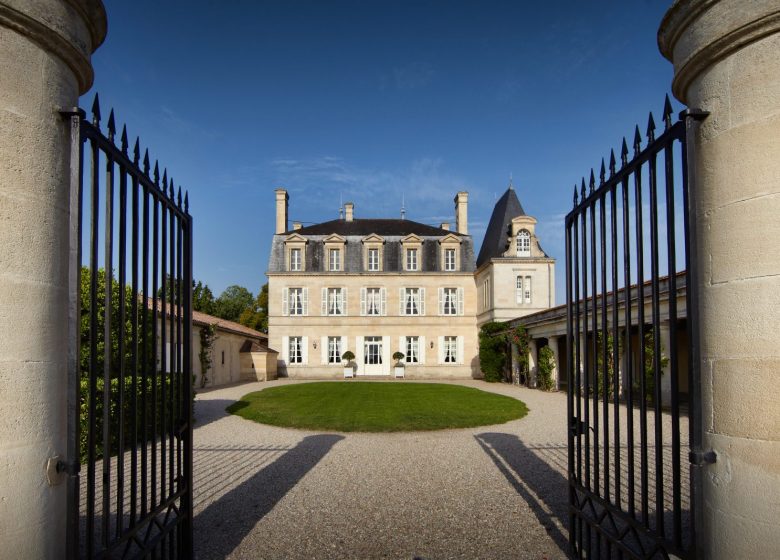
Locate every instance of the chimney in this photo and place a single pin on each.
(296, 225)
(445, 226)
(281, 210)
(348, 208)
(461, 212)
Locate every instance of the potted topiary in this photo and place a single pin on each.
(399, 365)
(349, 365)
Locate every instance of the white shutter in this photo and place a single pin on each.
(460, 359)
(324, 301)
(362, 301)
(305, 300)
(422, 301)
(460, 301)
(383, 301)
(286, 349)
(401, 301)
(386, 353)
(324, 349)
(305, 350)
(344, 301)
(441, 301)
(343, 347)
(421, 357)
(285, 298)
(440, 350)
(402, 346)
(359, 350)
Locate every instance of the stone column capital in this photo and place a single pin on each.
(68, 29)
(695, 34)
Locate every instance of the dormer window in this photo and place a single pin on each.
(373, 260)
(334, 260)
(449, 260)
(523, 243)
(411, 259)
(295, 260)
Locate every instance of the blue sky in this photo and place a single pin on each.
(375, 101)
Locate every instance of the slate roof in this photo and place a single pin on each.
(494, 243)
(368, 226)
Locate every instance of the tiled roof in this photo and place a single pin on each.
(494, 244)
(372, 225)
(199, 318)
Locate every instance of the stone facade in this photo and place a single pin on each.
(373, 287)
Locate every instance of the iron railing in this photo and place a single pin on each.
(630, 492)
(130, 323)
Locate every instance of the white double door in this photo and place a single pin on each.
(375, 359)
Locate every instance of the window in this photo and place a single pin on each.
(412, 349)
(295, 301)
(523, 243)
(334, 301)
(372, 301)
(411, 259)
(334, 349)
(295, 350)
(411, 301)
(334, 260)
(519, 290)
(450, 349)
(528, 289)
(373, 260)
(449, 260)
(295, 260)
(450, 301)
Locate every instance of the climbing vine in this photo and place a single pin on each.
(208, 334)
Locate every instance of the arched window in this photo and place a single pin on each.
(523, 243)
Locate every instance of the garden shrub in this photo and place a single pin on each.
(546, 365)
(493, 351)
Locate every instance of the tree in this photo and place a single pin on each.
(493, 350)
(202, 298)
(232, 302)
(256, 316)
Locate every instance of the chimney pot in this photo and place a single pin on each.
(296, 225)
(445, 225)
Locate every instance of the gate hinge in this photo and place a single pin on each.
(578, 427)
(69, 468)
(701, 458)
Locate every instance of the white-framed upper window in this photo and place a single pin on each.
(450, 350)
(296, 301)
(334, 260)
(373, 259)
(519, 290)
(412, 301)
(296, 261)
(334, 349)
(334, 301)
(412, 350)
(450, 301)
(449, 260)
(373, 301)
(523, 243)
(528, 289)
(295, 350)
(411, 259)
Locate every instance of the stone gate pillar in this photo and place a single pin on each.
(552, 342)
(726, 56)
(533, 346)
(45, 49)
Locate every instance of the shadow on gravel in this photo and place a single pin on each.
(221, 527)
(533, 477)
(207, 411)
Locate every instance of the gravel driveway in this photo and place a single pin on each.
(491, 492)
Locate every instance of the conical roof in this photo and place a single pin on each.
(494, 244)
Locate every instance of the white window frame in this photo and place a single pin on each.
(449, 260)
(296, 259)
(334, 301)
(519, 289)
(450, 350)
(523, 243)
(334, 260)
(295, 350)
(411, 349)
(451, 301)
(412, 302)
(527, 289)
(412, 261)
(372, 263)
(334, 349)
(374, 299)
(295, 302)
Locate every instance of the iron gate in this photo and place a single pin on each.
(130, 323)
(633, 398)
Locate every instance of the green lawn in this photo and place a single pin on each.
(356, 406)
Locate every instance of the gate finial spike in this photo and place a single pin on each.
(170, 189)
(146, 162)
(156, 174)
(165, 178)
(650, 128)
(637, 140)
(582, 193)
(667, 113)
(187, 202)
(611, 163)
(111, 126)
(124, 139)
(603, 172)
(575, 195)
(178, 198)
(592, 181)
(96, 111)
(136, 151)
(624, 153)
